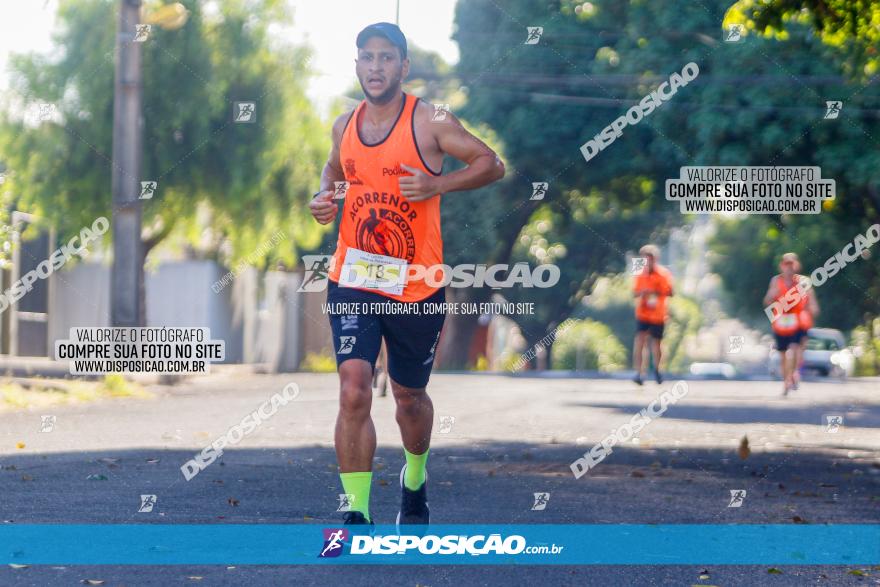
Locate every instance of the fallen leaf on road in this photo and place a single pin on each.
(799, 520)
(232, 501)
(27, 478)
(96, 478)
(19, 445)
(153, 461)
(383, 482)
(744, 451)
(774, 571)
(195, 578)
(638, 474)
(379, 467)
(308, 518)
(15, 566)
(857, 573)
(92, 581)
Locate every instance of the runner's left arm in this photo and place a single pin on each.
(668, 286)
(483, 164)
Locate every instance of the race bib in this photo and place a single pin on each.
(371, 271)
(651, 300)
(788, 321)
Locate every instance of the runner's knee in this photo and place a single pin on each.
(355, 390)
(407, 397)
(355, 399)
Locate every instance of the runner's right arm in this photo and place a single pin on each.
(322, 206)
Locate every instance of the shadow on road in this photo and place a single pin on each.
(478, 483)
(855, 416)
(483, 482)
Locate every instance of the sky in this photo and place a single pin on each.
(328, 26)
(425, 24)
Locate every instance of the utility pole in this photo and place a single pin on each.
(126, 281)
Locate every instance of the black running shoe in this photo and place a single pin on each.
(413, 504)
(355, 518)
(638, 379)
(658, 377)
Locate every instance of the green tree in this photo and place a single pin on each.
(588, 346)
(782, 124)
(246, 181)
(852, 26)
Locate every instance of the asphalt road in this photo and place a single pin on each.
(511, 437)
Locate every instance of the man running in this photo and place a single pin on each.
(651, 288)
(791, 325)
(391, 153)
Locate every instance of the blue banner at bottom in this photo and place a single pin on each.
(271, 544)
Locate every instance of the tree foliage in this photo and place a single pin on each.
(852, 26)
(244, 180)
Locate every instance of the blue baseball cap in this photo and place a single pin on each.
(383, 29)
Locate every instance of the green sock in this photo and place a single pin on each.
(415, 469)
(357, 485)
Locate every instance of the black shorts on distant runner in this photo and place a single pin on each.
(411, 337)
(655, 330)
(785, 341)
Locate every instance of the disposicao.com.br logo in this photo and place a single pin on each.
(431, 544)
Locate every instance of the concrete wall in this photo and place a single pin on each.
(80, 296)
(266, 322)
(181, 294)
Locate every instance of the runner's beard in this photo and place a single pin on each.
(386, 96)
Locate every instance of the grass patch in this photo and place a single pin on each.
(15, 396)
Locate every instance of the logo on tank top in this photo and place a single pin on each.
(351, 174)
(386, 232)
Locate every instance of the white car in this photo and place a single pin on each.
(713, 370)
(826, 353)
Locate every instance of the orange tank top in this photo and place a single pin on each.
(381, 230)
(790, 322)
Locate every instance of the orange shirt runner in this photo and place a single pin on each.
(797, 317)
(651, 308)
(382, 233)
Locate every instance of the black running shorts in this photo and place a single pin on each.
(785, 341)
(655, 330)
(361, 319)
